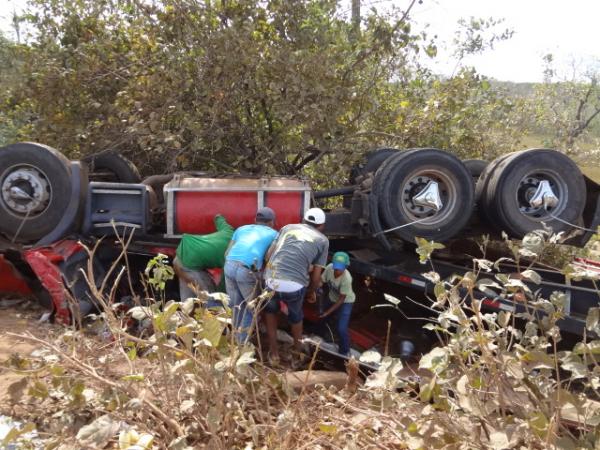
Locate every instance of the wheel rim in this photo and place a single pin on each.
(529, 185)
(25, 190)
(415, 184)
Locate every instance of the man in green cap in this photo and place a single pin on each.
(341, 297)
(196, 253)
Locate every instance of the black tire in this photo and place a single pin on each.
(475, 167)
(373, 160)
(486, 212)
(514, 180)
(35, 170)
(111, 166)
(404, 175)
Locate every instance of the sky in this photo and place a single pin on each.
(567, 29)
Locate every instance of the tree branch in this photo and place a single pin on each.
(366, 53)
(314, 155)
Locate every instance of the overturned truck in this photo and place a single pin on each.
(52, 209)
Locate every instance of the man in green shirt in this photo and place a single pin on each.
(196, 253)
(341, 297)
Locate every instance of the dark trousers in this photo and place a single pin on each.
(340, 320)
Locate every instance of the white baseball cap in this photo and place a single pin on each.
(315, 215)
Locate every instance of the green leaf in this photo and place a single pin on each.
(571, 362)
(567, 398)
(503, 318)
(38, 389)
(436, 360)
(185, 333)
(538, 423)
(439, 291)
(538, 359)
(532, 244)
(99, 432)
(328, 428)
(532, 276)
(427, 389)
(212, 328)
(589, 348)
(132, 352)
(14, 434)
(592, 319)
(425, 248)
(133, 377)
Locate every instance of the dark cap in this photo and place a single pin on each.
(265, 214)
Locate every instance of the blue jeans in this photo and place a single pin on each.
(242, 285)
(294, 302)
(342, 319)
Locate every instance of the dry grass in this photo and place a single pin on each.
(181, 382)
(206, 399)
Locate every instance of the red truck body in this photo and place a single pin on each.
(11, 281)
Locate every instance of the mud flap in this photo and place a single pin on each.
(57, 268)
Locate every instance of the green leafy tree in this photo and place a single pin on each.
(11, 117)
(244, 85)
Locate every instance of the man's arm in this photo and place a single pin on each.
(270, 251)
(315, 282)
(221, 224)
(334, 307)
(315, 275)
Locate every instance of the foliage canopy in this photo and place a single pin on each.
(245, 85)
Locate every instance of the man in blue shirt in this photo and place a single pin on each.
(243, 262)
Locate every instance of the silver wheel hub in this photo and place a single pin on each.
(541, 194)
(25, 190)
(544, 196)
(428, 195)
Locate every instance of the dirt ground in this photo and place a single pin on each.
(19, 318)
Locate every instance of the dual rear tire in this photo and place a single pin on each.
(505, 192)
(516, 193)
(401, 182)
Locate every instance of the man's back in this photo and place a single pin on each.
(297, 247)
(250, 244)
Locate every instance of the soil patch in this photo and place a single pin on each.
(17, 318)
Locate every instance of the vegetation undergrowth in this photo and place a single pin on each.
(168, 375)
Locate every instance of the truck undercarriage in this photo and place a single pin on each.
(52, 215)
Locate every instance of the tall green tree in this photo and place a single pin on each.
(11, 117)
(243, 85)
